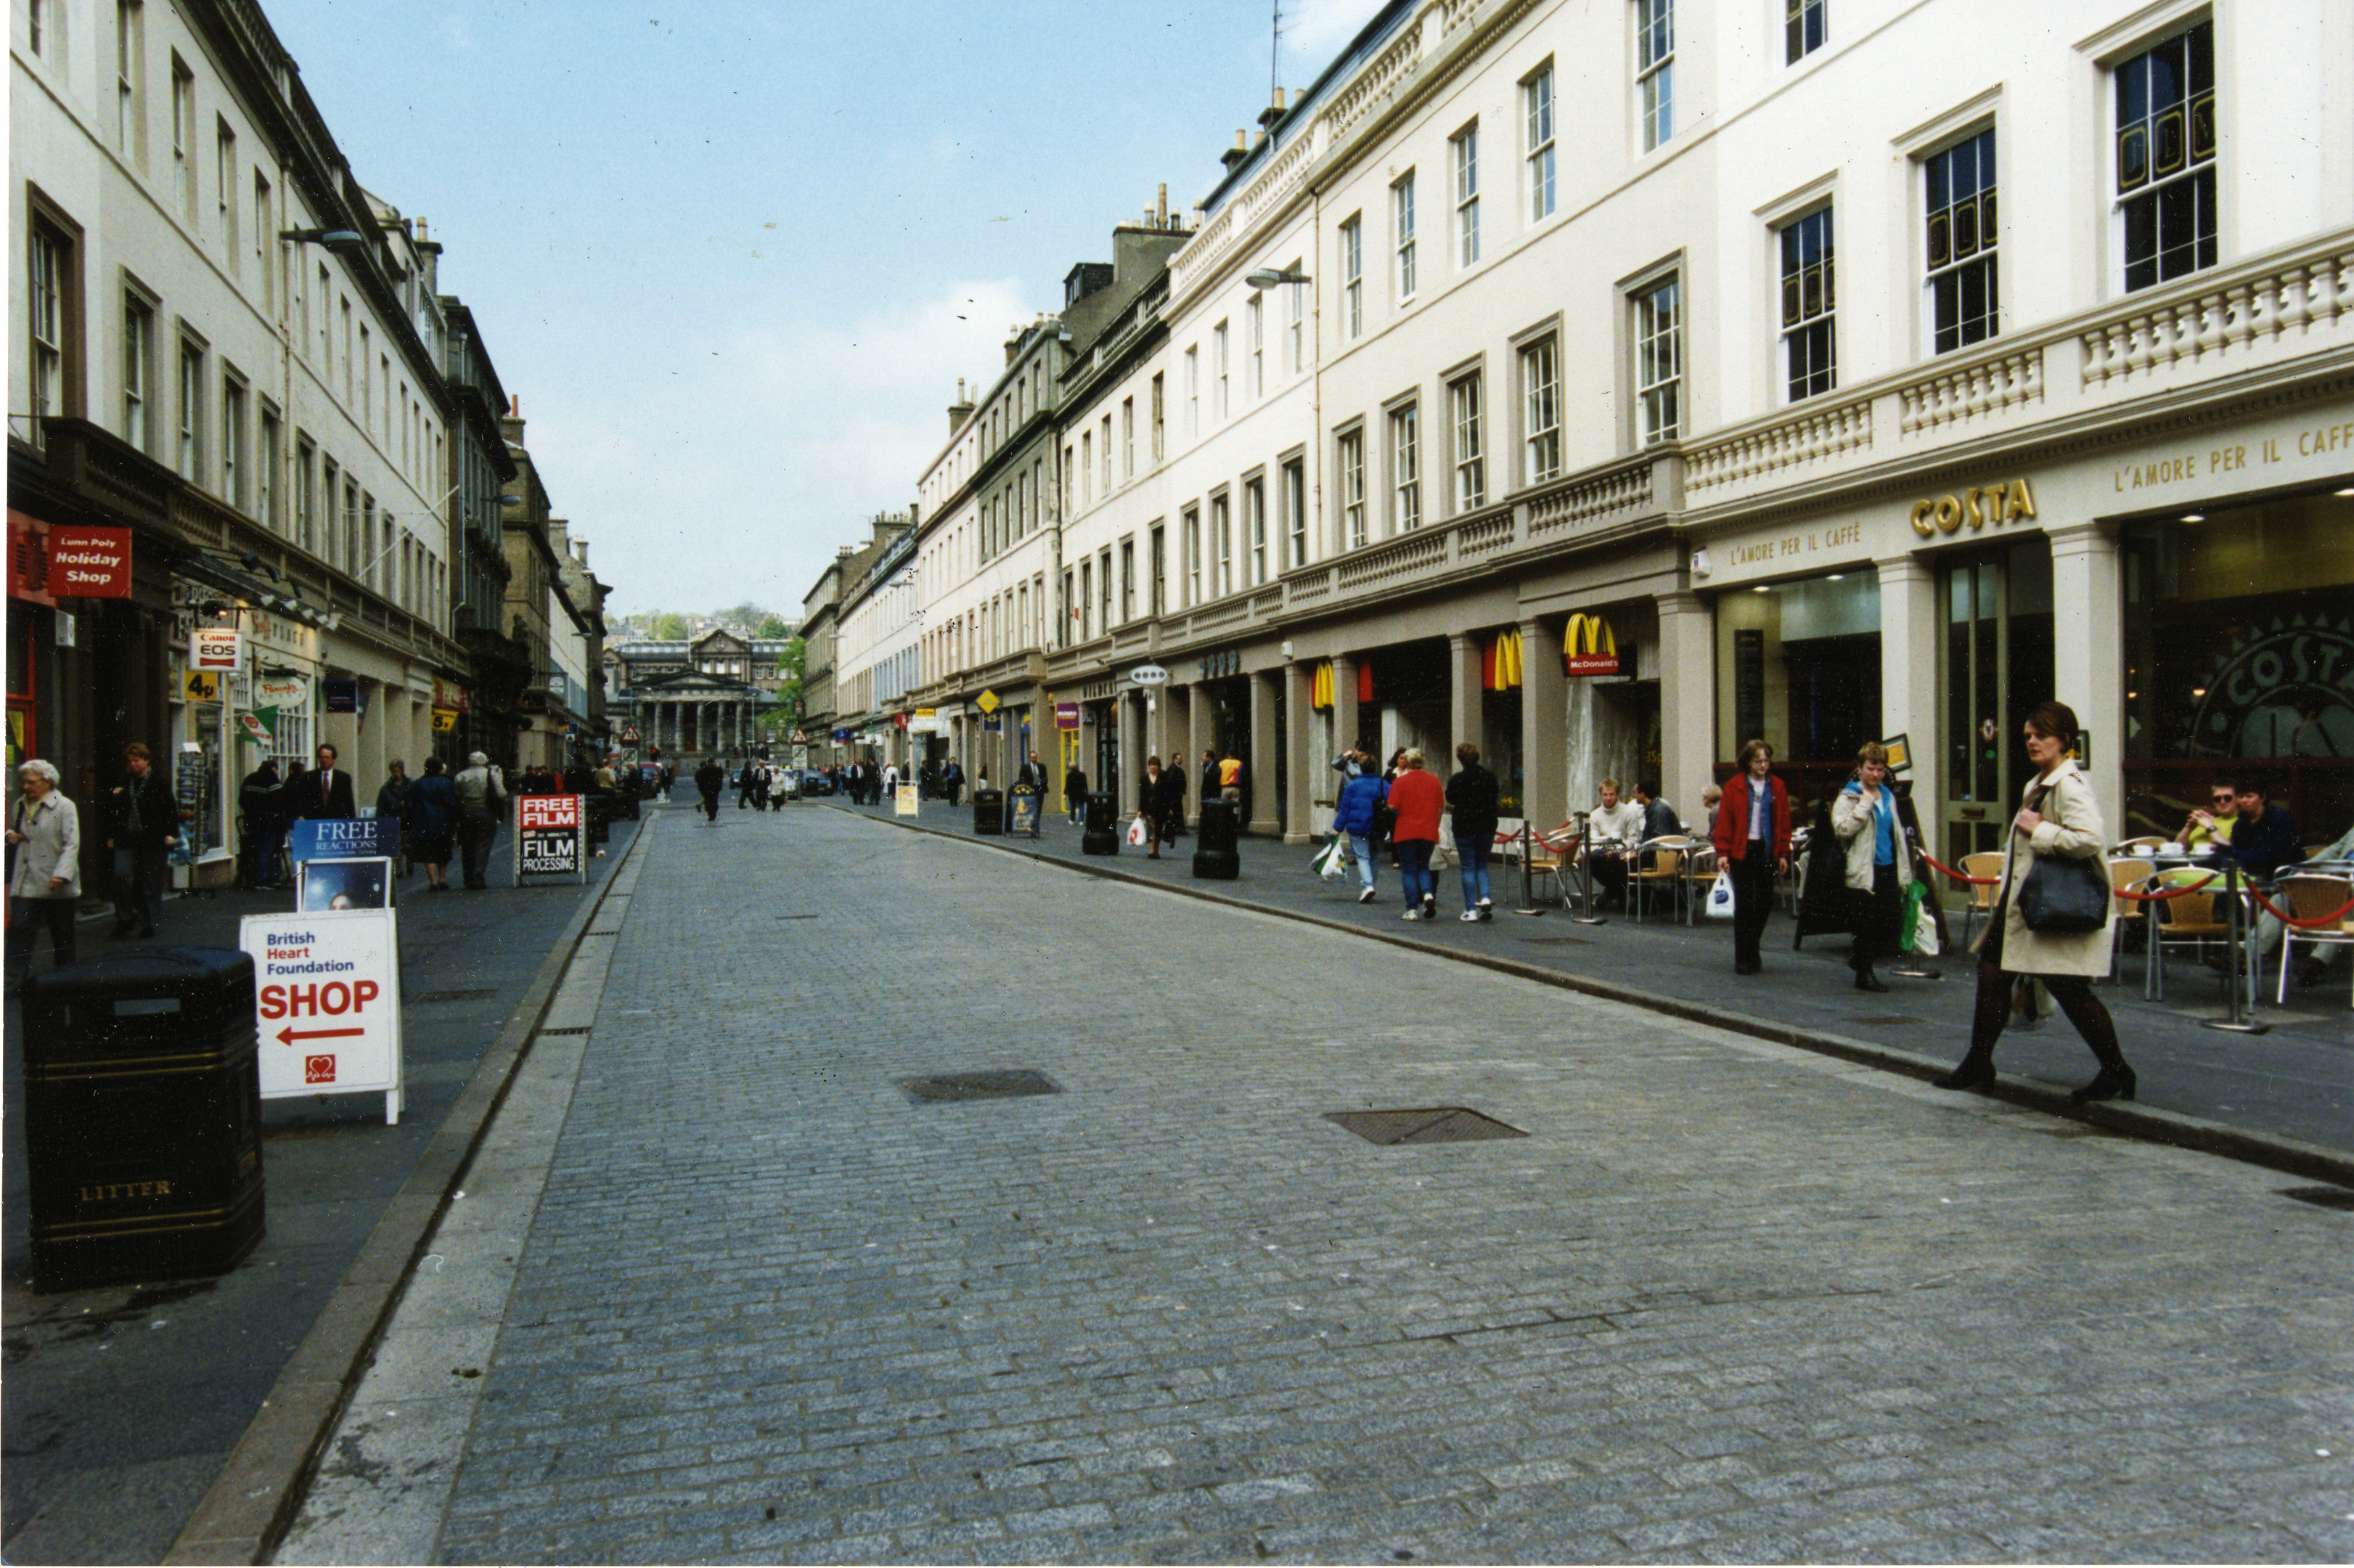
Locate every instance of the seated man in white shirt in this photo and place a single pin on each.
(1613, 830)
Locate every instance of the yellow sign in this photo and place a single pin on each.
(987, 702)
(1977, 508)
(202, 686)
(1600, 652)
(445, 719)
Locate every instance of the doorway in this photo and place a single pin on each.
(1994, 608)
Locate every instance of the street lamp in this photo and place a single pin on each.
(339, 241)
(1269, 279)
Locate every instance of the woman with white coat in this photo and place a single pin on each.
(44, 868)
(1879, 861)
(2060, 819)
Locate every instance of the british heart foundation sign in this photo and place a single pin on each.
(327, 1003)
(89, 562)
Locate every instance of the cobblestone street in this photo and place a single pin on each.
(1724, 1301)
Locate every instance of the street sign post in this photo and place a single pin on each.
(326, 1001)
(551, 837)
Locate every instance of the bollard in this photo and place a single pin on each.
(1214, 855)
(1102, 832)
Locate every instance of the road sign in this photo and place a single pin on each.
(987, 702)
(326, 1001)
(629, 735)
(551, 837)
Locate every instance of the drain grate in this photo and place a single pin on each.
(1891, 1021)
(1559, 941)
(1438, 1123)
(2322, 1197)
(796, 916)
(576, 1029)
(1007, 1084)
(425, 996)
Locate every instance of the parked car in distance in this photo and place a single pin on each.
(810, 782)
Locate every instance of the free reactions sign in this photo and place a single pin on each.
(89, 562)
(551, 837)
(340, 838)
(326, 1001)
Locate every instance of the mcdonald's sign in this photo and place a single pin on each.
(1500, 669)
(1589, 648)
(1319, 687)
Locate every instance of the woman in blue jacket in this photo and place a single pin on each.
(1361, 803)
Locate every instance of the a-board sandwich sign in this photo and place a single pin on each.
(326, 1001)
(551, 837)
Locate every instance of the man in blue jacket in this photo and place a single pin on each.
(2264, 838)
(1360, 804)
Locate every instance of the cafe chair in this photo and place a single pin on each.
(2310, 897)
(1986, 863)
(2192, 918)
(1658, 863)
(2126, 875)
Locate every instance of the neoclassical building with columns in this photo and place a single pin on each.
(709, 695)
(1609, 385)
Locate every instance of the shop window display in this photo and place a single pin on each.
(2239, 648)
(1800, 665)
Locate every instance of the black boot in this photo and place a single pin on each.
(1866, 980)
(1973, 1071)
(2113, 1082)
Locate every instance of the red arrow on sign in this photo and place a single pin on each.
(288, 1035)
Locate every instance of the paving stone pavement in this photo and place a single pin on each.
(1725, 1301)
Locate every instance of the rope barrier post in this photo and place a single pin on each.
(1585, 875)
(1528, 877)
(2153, 973)
(2237, 920)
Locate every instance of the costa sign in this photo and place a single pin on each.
(1973, 509)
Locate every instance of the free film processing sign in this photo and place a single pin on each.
(551, 837)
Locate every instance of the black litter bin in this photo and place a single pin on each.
(1101, 835)
(1214, 857)
(143, 1117)
(989, 811)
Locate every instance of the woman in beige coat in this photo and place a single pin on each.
(1879, 861)
(2060, 819)
(45, 869)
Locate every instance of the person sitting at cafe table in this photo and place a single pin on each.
(2264, 837)
(2214, 824)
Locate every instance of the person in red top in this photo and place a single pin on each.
(1418, 799)
(1753, 843)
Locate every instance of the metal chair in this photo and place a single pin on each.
(1654, 862)
(1986, 865)
(2126, 876)
(2310, 898)
(2190, 918)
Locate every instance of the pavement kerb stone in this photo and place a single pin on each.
(253, 1501)
(2274, 1151)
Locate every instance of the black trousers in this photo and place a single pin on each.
(1753, 900)
(711, 806)
(1877, 917)
(476, 829)
(26, 919)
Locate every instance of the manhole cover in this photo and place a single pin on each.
(1438, 1124)
(995, 1085)
(425, 996)
(2321, 1197)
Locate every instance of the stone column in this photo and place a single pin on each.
(2088, 653)
(1908, 684)
(1303, 766)
(1465, 669)
(1265, 686)
(1687, 700)
(1345, 704)
(1197, 733)
(1544, 733)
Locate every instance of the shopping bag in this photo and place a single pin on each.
(1442, 854)
(1924, 926)
(1331, 861)
(1720, 896)
(1908, 924)
(1136, 833)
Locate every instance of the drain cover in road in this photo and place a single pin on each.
(997, 1086)
(1440, 1124)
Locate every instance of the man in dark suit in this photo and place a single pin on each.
(142, 823)
(324, 791)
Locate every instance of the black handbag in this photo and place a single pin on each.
(2063, 897)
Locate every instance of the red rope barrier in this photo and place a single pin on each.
(2296, 924)
(2173, 893)
(1960, 876)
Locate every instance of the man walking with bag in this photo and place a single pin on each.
(481, 798)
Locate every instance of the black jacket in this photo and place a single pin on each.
(710, 779)
(307, 798)
(148, 800)
(1471, 796)
(262, 798)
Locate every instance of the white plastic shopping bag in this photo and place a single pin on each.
(1720, 896)
(1331, 861)
(1136, 833)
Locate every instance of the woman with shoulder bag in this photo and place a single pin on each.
(2051, 914)
(1877, 862)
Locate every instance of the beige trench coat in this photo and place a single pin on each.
(2072, 827)
(52, 847)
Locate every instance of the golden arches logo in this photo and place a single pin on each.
(1589, 647)
(1320, 693)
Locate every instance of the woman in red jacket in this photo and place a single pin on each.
(1753, 843)
(1419, 799)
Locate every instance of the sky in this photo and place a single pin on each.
(733, 256)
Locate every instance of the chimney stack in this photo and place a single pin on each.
(1161, 208)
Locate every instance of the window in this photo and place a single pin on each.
(1103, 580)
(184, 136)
(1086, 466)
(1466, 147)
(1106, 449)
(225, 189)
(1402, 234)
(1536, 100)
(1659, 360)
(1255, 527)
(1353, 278)
(1193, 558)
(326, 329)
(191, 444)
(1194, 391)
(1219, 404)
(1086, 600)
(1222, 537)
(1965, 304)
(306, 494)
(1255, 311)
(45, 302)
(1070, 607)
(1159, 434)
(2166, 158)
(265, 472)
(1349, 464)
(1294, 510)
(1159, 570)
(1126, 580)
(37, 25)
(351, 384)
(262, 234)
(1406, 468)
(1655, 67)
(1807, 305)
(1541, 410)
(1296, 304)
(1471, 444)
(1802, 28)
(232, 441)
(129, 79)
